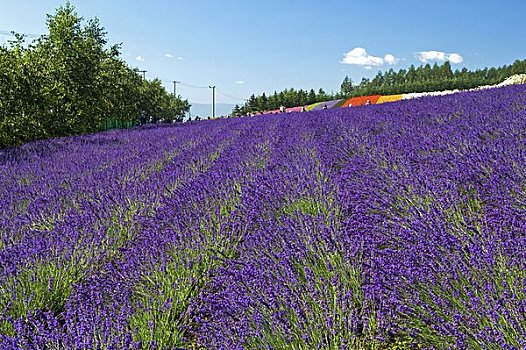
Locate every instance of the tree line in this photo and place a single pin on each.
(287, 98)
(69, 82)
(429, 78)
(424, 78)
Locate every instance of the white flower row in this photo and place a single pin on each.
(514, 79)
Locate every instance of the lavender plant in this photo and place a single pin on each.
(396, 226)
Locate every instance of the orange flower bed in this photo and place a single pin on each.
(361, 100)
(389, 98)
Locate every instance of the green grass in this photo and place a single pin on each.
(163, 297)
(306, 206)
(259, 160)
(158, 165)
(313, 207)
(45, 285)
(466, 217)
(327, 286)
(122, 227)
(505, 281)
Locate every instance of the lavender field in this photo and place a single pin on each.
(394, 226)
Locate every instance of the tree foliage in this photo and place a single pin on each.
(69, 82)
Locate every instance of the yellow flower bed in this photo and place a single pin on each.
(312, 106)
(389, 98)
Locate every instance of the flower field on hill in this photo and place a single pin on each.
(399, 225)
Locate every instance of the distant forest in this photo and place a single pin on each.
(414, 79)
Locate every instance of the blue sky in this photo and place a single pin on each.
(251, 46)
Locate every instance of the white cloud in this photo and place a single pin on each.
(239, 82)
(359, 56)
(455, 58)
(426, 56)
(170, 56)
(390, 59)
(140, 58)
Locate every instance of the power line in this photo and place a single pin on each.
(182, 83)
(174, 82)
(208, 87)
(177, 82)
(13, 33)
(194, 86)
(230, 96)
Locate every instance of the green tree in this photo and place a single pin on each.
(321, 96)
(446, 71)
(69, 61)
(122, 91)
(159, 105)
(68, 82)
(263, 105)
(18, 96)
(346, 87)
(311, 97)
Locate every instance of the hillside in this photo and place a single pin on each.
(400, 225)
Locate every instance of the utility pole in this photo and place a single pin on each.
(175, 83)
(143, 73)
(213, 100)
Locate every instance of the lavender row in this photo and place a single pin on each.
(95, 231)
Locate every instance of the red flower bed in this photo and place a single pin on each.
(361, 100)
